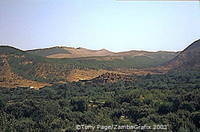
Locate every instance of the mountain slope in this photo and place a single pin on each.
(69, 52)
(49, 51)
(103, 54)
(187, 59)
(104, 59)
(19, 66)
(24, 67)
(10, 79)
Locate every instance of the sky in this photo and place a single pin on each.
(96, 24)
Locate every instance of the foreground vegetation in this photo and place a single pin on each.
(172, 99)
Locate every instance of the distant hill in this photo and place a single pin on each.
(104, 59)
(33, 68)
(189, 58)
(69, 52)
(28, 68)
(49, 51)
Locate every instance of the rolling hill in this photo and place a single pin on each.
(25, 68)
(103, 54)
(10, 78)
(22, 66)
(69, 52)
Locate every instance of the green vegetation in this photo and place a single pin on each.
(172, 99)
(38, 68)
(28, 66)
(49, 51)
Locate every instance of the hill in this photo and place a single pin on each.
(49, 51)
(103, 54)
(8, 77)
(69, 52)
(102, 91)
(186, 59)
(104, 59)
(31, 69)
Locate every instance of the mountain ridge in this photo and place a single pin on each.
(189, 57)
(21, 66)
(70, 52)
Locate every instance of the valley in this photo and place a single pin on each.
(76, 64)
(56, 89)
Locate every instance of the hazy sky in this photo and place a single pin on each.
(97, 24)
